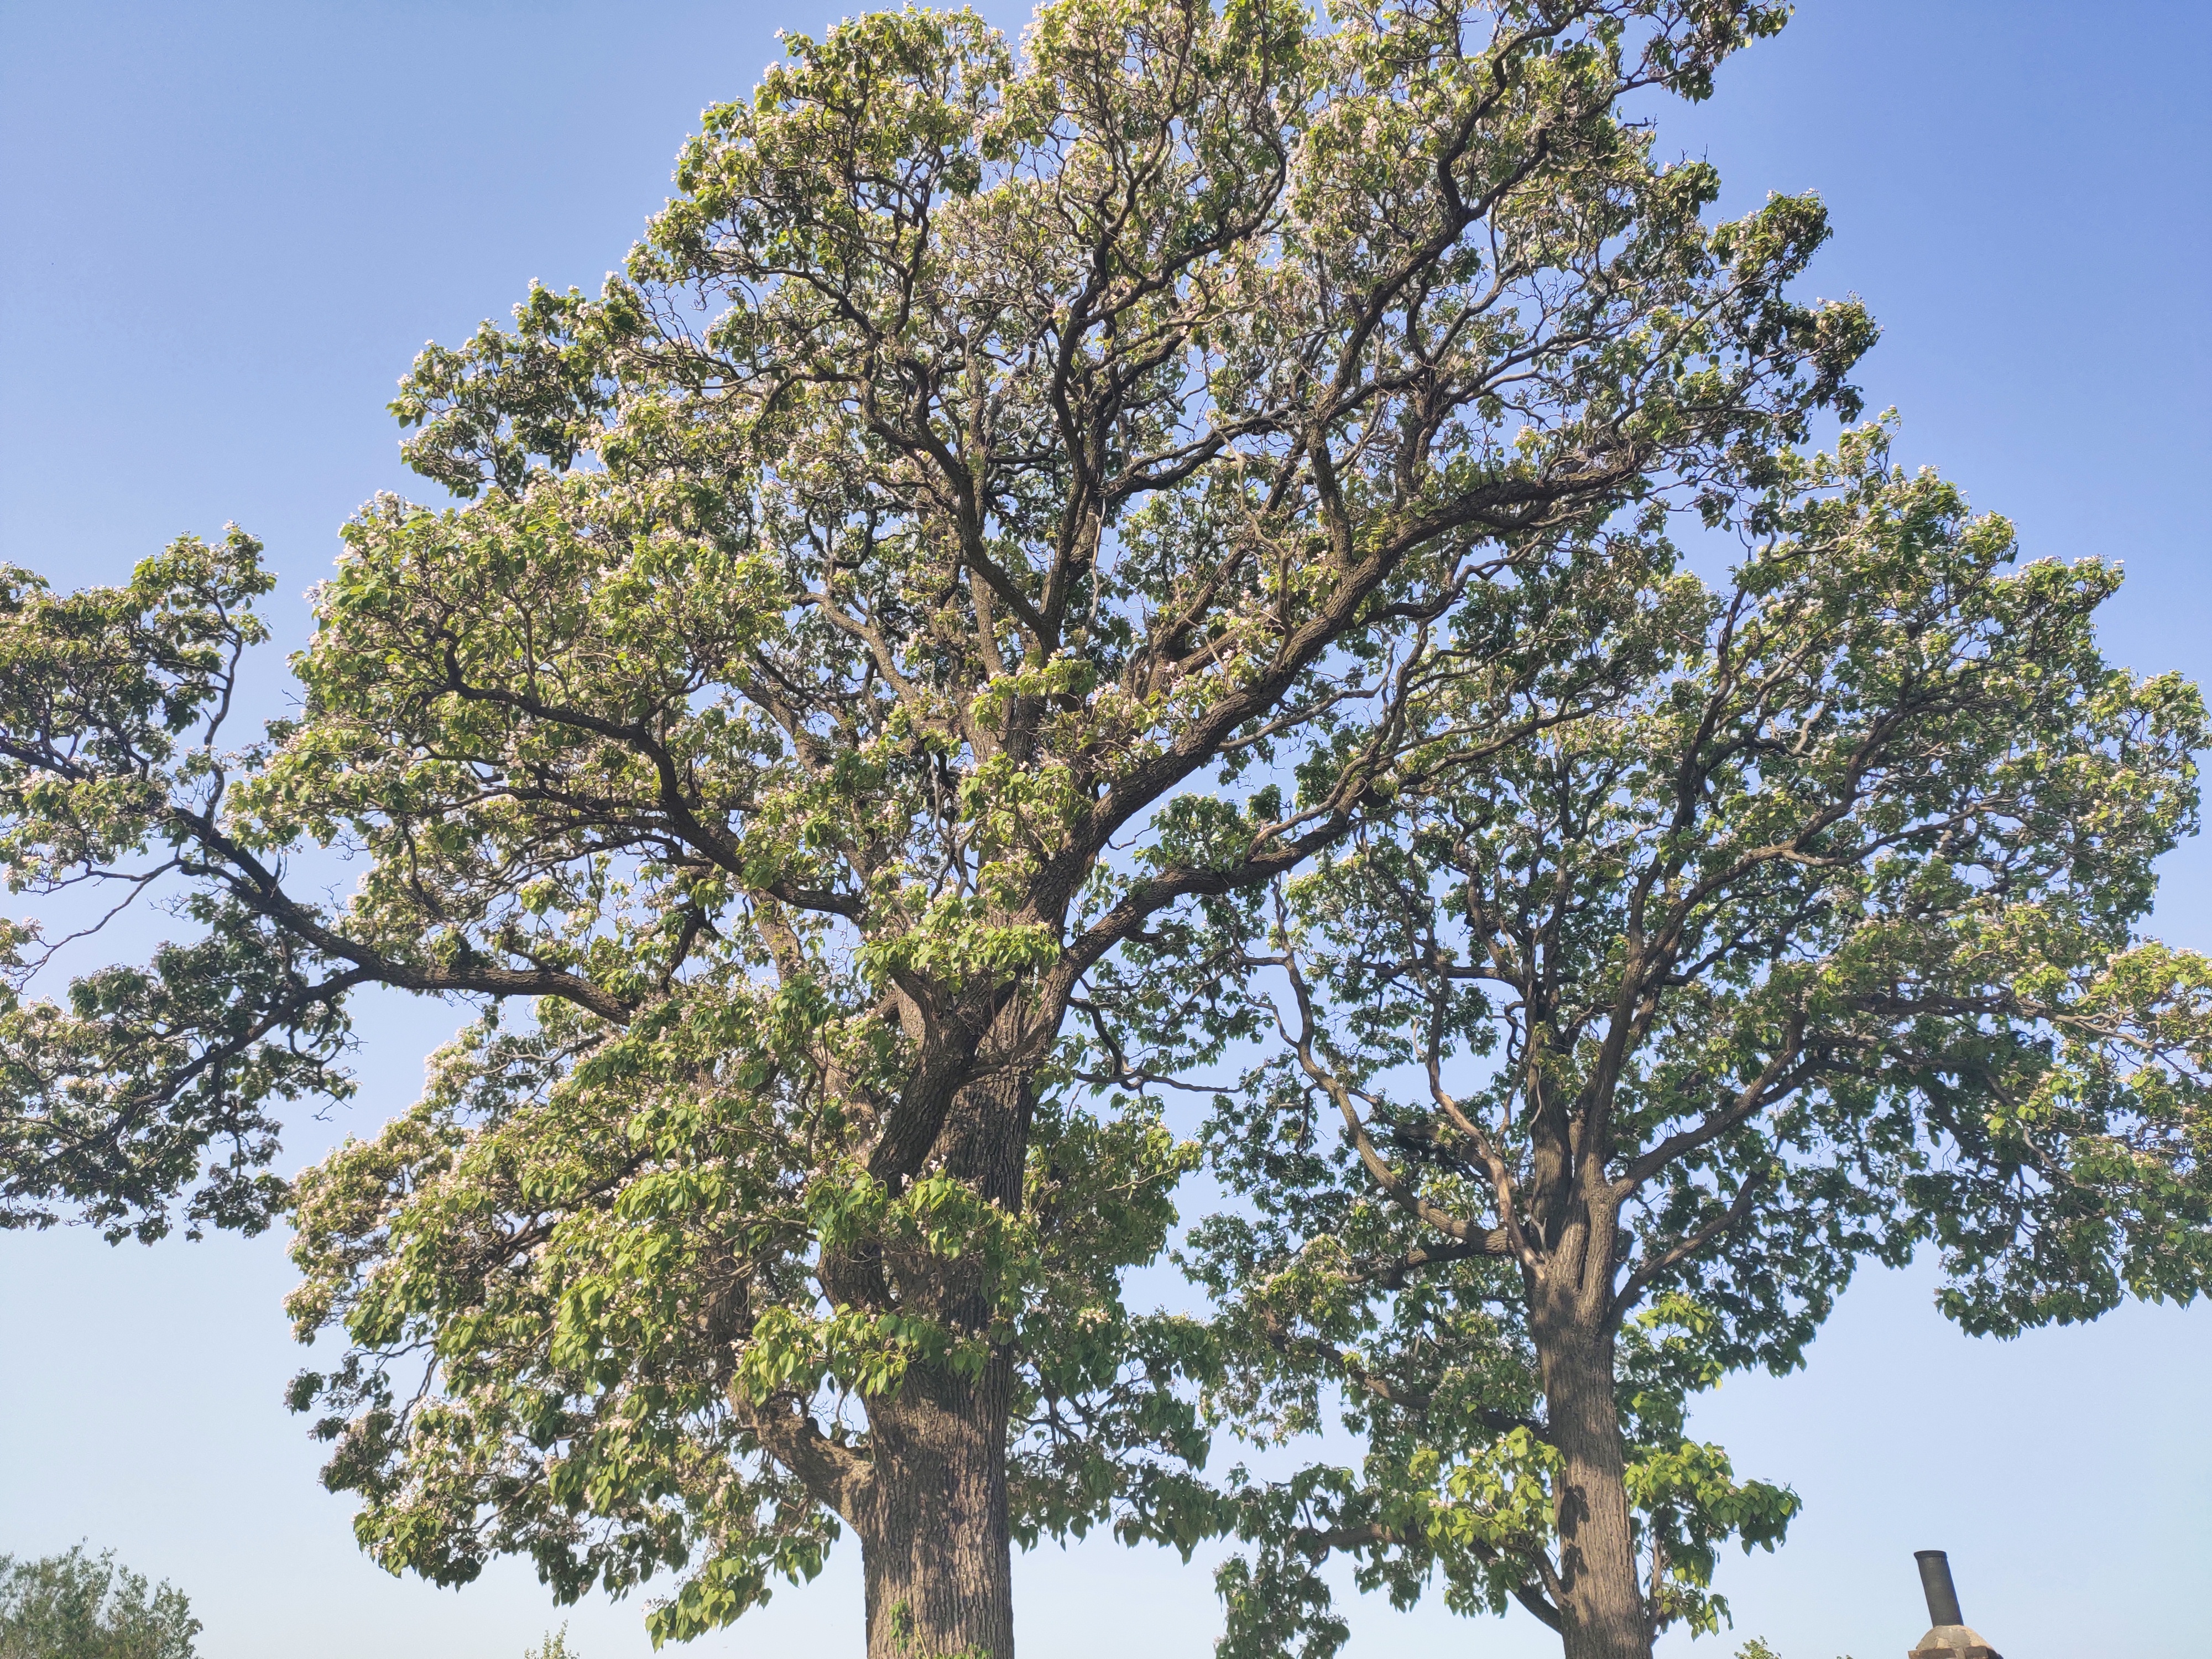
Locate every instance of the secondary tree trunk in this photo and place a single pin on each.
(934, 1545)
(1602, 1615)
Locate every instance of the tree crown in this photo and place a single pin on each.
(974, 462)
(1818, 946)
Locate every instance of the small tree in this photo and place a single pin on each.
(1636, 1039)
(972, 464)
(75, 1606)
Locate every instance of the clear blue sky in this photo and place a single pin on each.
(226, 228)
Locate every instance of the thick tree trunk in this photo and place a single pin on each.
(937, 1553)
(934, 1545)
(1602, 1615)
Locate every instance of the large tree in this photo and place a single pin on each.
(982, 479)
(1593, 1071)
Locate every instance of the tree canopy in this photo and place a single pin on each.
(998, 503)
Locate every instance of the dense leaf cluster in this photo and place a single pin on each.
(112, 703)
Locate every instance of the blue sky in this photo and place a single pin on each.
(225, 229)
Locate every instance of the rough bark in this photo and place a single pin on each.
(1601, 1604)
(935, 1551)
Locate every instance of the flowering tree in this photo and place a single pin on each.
(975, 463)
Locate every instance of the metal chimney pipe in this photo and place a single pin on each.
(1935, 1583)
